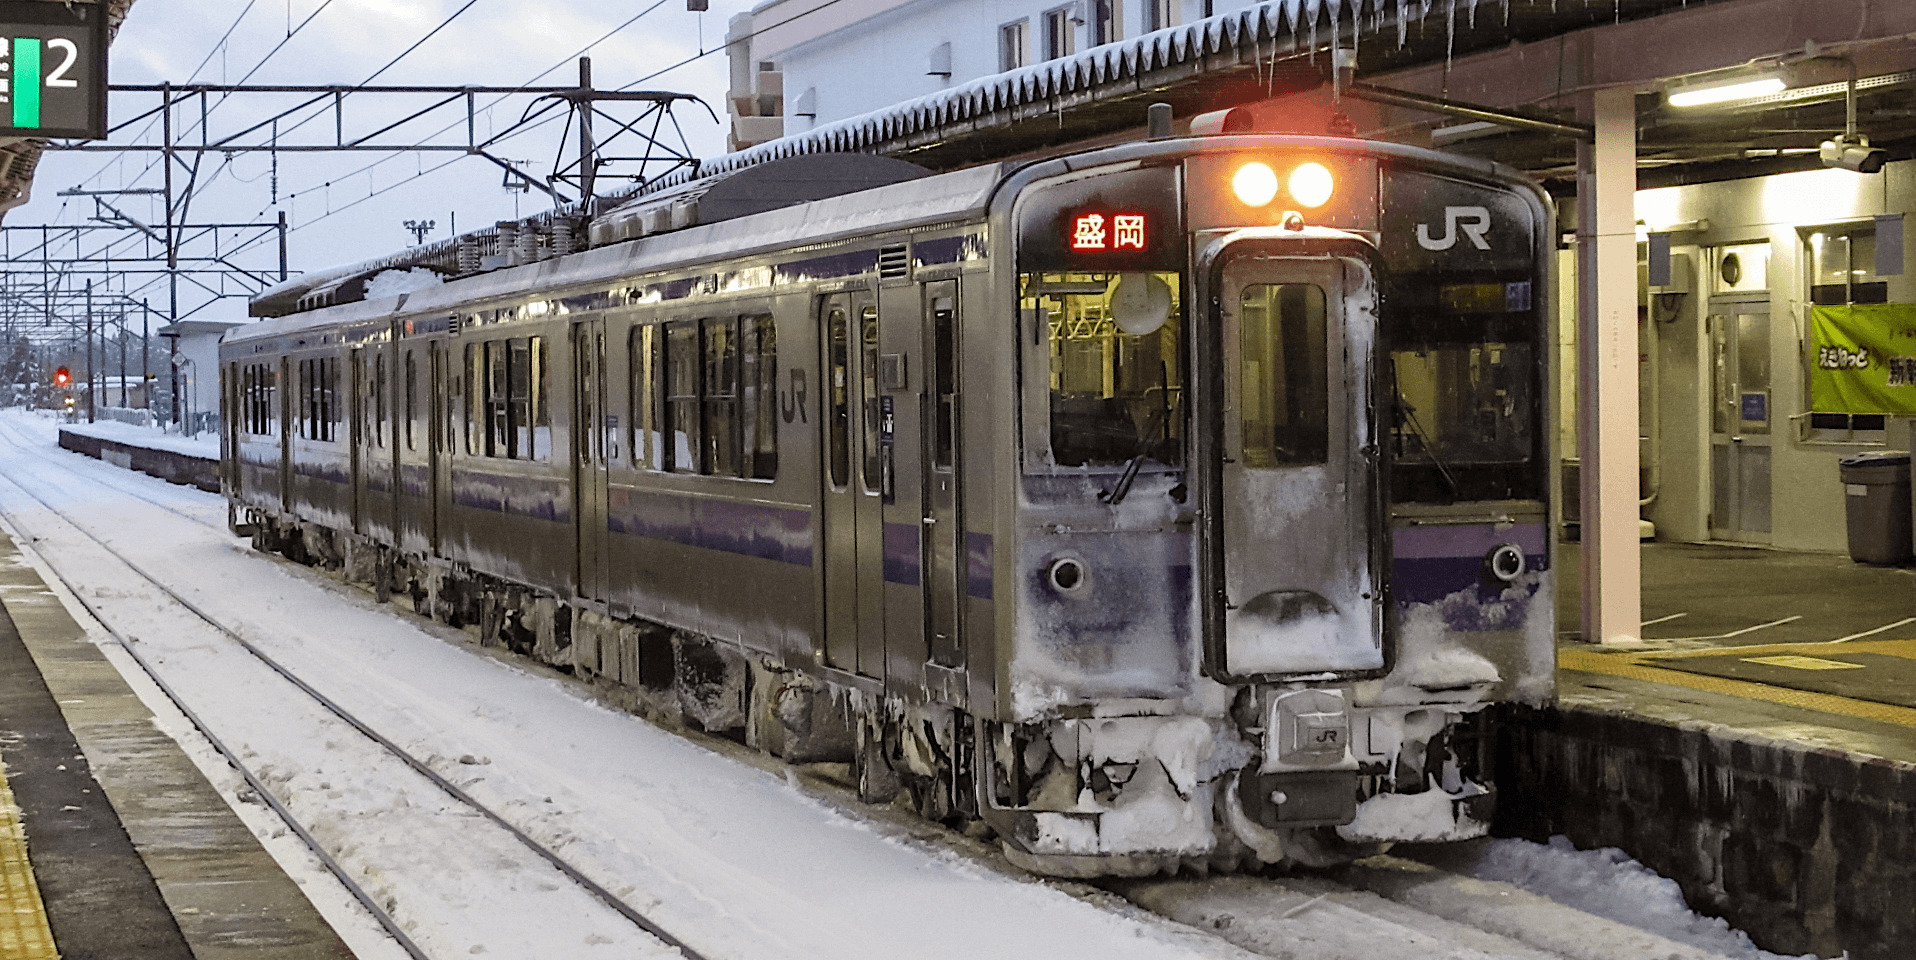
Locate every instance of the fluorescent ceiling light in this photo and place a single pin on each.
(1704, 94)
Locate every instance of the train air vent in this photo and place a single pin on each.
(894, 261)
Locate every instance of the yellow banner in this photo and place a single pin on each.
(1863, 358)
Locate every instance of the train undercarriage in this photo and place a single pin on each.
(1117, 791)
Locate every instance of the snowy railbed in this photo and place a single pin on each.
(739, 859)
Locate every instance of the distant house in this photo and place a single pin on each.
(193, 378)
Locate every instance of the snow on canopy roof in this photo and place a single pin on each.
(1111, 62)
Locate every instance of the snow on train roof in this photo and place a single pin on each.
(931, 199)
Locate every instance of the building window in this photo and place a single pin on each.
(1104, 22)
(1059, 33)
(1842, 270)
(1014, 45)
(1159, 14)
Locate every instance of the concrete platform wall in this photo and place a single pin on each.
(168, 465)
(1809, 850)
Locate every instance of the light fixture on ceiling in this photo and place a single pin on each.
(1725, 90)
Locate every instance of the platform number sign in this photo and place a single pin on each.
(53, 70)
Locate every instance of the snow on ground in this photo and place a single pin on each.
(206, 444)
(734, 859)
(739, 861)
(1609, 883)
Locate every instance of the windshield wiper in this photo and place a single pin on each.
(1410, 416)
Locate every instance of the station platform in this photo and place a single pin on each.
(1758, 745)
(112, 843)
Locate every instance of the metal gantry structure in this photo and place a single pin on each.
(47, 271)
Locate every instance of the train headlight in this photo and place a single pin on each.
(1312, 184)
(1069, 576)
(1506, 562)
(1255, 184)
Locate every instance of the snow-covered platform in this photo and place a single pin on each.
(188, 460)
(1759, 746)
(129, 851)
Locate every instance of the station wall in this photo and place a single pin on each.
(1780, 218)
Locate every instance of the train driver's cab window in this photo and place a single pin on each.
(1117, 367)
(1283, 375)
(1465, 401)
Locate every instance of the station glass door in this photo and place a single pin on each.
(1740, 419)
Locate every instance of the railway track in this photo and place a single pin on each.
(1381, 908)
(380, 913)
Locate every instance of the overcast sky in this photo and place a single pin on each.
(341, 211)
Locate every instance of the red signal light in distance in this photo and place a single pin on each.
(61, 377)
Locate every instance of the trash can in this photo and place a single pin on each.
(1876, 505)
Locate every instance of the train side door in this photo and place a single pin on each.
(438, 438)
(944, 528)
(287, 405)
(1297, 537)
(852, 486)
(356, 434)
(589, 458)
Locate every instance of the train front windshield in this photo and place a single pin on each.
(1464, 362)
(1116, 366)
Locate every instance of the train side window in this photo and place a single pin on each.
(719, 398)
(1285, 370)
(838, 349)
(643, 349)
(329, 393)
(944, 336)
(681, 363)
(759, 378)
(498, 410)
(380, 404)
(541, 407)
(868, 371)
(475, 399)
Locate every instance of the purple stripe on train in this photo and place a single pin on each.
(540, 498)
(902, 554)
(978, 565)
(1433, 562)
(750, 529)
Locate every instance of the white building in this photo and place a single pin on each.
(194, 383)
(792, 61)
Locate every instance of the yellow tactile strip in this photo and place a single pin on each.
(24, 934)
(1642, 666)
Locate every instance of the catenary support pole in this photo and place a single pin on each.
(1607, 371)
(91, 387)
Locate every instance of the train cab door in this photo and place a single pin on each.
(589, 459)
(944, 528)
(852, 482)
(1296, 535)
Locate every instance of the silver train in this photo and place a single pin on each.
(1175, 504)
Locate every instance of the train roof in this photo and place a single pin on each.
(933, 199)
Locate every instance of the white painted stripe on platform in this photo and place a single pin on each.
(1652, 623)
(1870, 633)
(1737, 633)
